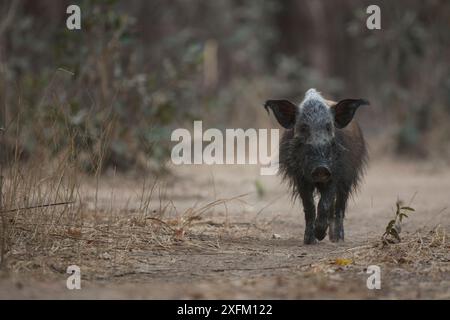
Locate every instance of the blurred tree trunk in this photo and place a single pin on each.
(319, 51)
(314, 31)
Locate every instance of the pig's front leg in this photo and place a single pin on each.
(337, 233)
(309, 207)
(324, 211)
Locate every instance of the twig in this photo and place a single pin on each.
(38, 206)
(197, 213)
(161, 222)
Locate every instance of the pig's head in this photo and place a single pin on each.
(314, 124)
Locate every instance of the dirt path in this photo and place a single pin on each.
(254, 249)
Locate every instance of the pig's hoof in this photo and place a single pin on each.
(336, 235)
(336, 239)
(333, 233)
(309, 239)
(333, 237)
(320, 231)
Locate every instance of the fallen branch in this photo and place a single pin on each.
(38, 206)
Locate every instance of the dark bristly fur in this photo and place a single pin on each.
(351, 158)
(340, 149)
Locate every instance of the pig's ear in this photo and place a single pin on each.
(344, 111)
(284, 110)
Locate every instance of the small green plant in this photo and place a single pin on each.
(260, 190)
(393, 229)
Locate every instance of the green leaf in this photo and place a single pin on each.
(390, 225)
(407, 208)
(395, 234)
(260, 190)
(403, 215)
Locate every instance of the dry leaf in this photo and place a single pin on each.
(179, 234)
(74, 232)
(343, 262)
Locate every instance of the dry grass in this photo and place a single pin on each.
(38, 237)
(418, 251)
(104, 242)
(112, 241)
(422, 253)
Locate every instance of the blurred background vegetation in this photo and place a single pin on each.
(109, 95)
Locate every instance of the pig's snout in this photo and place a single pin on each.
(321, 173)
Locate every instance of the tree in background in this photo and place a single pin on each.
(111, 93)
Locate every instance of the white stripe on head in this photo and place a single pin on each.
(315, 112)
(313, 94)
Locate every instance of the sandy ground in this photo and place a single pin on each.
(258, 249)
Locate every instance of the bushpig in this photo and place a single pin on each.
(322, 151)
